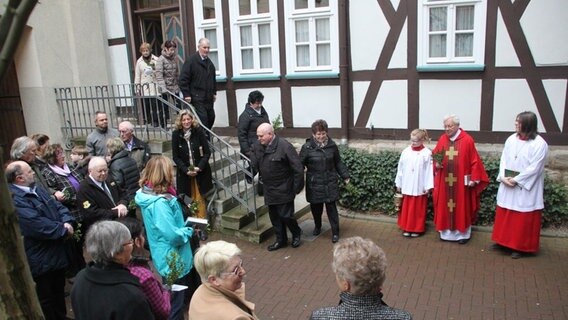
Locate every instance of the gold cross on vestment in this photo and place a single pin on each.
(451, 153)
(450, 179)
(451, 205)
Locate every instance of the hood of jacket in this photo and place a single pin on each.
(146, 197)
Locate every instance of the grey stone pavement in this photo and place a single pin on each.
(430, 278)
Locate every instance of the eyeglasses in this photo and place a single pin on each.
(131, 241)
(236, 271)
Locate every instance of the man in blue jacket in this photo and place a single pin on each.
(45, 224)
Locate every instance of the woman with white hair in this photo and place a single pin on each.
(106, 289)
(222, 293)
(360, 270)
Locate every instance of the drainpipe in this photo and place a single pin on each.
(345, 89)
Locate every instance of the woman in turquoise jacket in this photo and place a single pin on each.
(165, 227)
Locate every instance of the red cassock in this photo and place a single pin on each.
(412, 216)
(526, 227)
(455, 204)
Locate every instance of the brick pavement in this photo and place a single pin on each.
(430, 278)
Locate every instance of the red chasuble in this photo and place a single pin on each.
(456, 204)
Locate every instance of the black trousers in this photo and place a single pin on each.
(205, 112)
(332, 215)
(282, 216)
(50, 289)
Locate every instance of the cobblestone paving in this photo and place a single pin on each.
(430, 278)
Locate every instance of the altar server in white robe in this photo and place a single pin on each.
(414, 179)
(520, 196)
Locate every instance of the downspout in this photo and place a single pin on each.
(344, 58)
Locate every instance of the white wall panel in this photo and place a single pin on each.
(315, 103)
(512, 96)
(545, 24)
(368, 32)
(439, 98)
(391, 107)
(114, 21)
(505, 54)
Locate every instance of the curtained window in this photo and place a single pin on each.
(453, 31)
(314, 45)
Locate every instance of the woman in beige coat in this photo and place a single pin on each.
(222, 293)
(146, 83)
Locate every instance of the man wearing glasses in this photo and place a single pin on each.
(459, 179)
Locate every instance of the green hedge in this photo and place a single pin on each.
(372, 188)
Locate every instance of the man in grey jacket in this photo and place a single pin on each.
(282, 173)
(96, 140)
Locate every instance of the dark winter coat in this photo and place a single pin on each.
(323, 165)
(140, 152)
(94, 204)
(109, 292)
(124, 171)
(41, 220)
(249, 121)
(200, 153)
(280, 170)
(197, 79)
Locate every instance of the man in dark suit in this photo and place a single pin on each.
(279, 165)
(99, 197)
(198, 85)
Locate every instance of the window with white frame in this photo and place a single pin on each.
(209, 24)
(255, 40)
(451, 31)
(312, 35)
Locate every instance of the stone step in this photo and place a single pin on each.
(239, 216)
(251, 233)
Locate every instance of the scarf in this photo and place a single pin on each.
(323, 143)
(65, 171)
(168, 55)
(417, 148)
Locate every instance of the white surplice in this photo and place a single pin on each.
(527, 157)
(415, 174)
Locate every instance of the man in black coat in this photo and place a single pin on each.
(279, 165)
(198, 85)
(99, 197)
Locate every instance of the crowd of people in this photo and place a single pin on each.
(82, 207)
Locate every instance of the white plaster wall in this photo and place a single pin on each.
(114, 21)
(391, 107)
(315, 103)
(271, 101)
(400, 53)
(221, 113)
(545, 23)
(62, 46)
(508, 105)
(119, 67)
(368, 29)
(556, 91)
(439, 98)
(505, 55)
(359, 90)
(512, 96)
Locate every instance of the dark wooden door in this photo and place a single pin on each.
(12, 123)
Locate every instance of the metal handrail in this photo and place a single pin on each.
(77, 106)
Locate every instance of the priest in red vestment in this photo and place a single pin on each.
(459, 179)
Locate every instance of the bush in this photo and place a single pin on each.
(372, 188)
